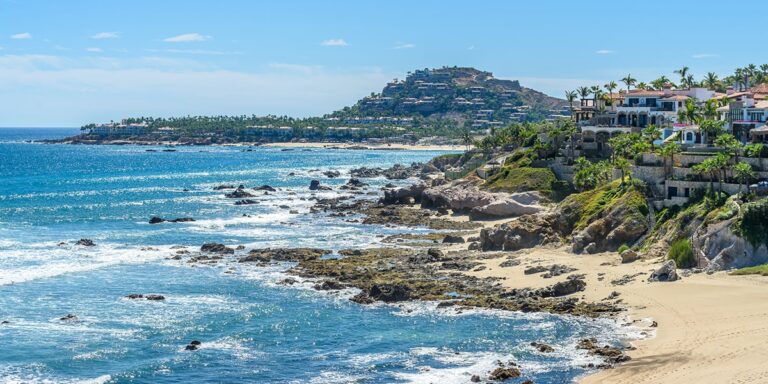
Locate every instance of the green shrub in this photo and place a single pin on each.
(753, 223)
(623, 248)
(682, 253)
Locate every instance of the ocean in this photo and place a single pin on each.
(252, 329)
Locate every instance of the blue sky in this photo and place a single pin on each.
(66, 63)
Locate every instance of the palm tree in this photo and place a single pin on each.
(659, 83)
(683, 72)
(669, 150)
(711, 129)
(743, 173)
(596, 92)
(690, 82)
(584, 93)
(642, 85)
(690, 112)
(629, 81)
(709, 167)
(754, 150)
(610, 86)
(624, 167)
(651, 134)
(571, 97)
(711, 80)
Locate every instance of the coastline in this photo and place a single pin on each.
(380, 147)
(702, 328)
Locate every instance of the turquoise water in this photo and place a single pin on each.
(252, 329)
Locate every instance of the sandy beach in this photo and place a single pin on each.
(710, 329)
(370, 146)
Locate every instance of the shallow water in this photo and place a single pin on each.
(252, 329)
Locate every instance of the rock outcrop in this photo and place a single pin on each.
(667, 272)
(283, 254)
(524, 232)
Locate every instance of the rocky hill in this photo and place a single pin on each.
(459, 93)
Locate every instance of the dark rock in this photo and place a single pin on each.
(543, 348)
(332, 174)
(156, 220)
(69, 317)
(329, 285)
(504, 373)
(314, 185)
(265, 188)
(287, 281)
(435, 254)
(181, 220)
(389, 293)
(611, 355)
(134, 296)
(667, 272)
(568, 287)
(85, 243)
(155, 297)
(452, 239)
(223, 186)
(362, 298)
(216, 248)
(193, 345)
(475, 379)
(239, 193)
(283, 254)
(246, 202)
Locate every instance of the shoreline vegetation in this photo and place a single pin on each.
(580, 216)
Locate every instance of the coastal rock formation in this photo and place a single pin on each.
(238, 193)
(629, 256)
(667, 272)
(332, 174)
(460, 195)
(216, 248)
(510, 205)
(151, 297)
(85, 243)
(265, 187)
(717, 247)
(398, 274)
(246, 202)
(266, 255)
(314, 185)
(403, 195)
(611, 355)
(223, 186)
(193, 345)
(524, 232)
(453, 239)
(396, 172)
(158, 220)
(504, 373)
(465, 195)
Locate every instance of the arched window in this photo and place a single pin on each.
(689, 136)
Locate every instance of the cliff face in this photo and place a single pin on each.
(594, 221)
(718, 247)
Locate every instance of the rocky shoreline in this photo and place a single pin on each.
(434, 266)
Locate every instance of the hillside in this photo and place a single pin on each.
(458, 93)
(428, 103)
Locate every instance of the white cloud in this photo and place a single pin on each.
(20, 36)
(334, 43)
(604, 51)
(471, 47)
(404, 46)
(704, 55)
(187, 38)
(105, 35)
(93, 49)
(76, 93)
